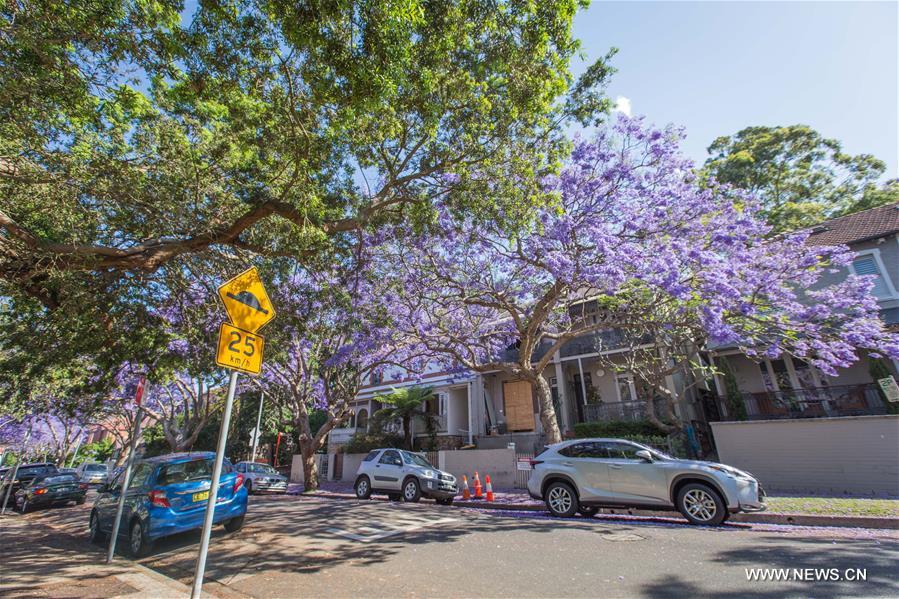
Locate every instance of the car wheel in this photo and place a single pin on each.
(411, 490)
(96, 536)
(235, 524)
(138, 543)
(363, 487)
(249, 487)
(701, 504)
(561, 500)
(587, 511)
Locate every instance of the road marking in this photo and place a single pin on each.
(369, 534)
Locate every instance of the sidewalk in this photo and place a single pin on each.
(40, 561)
(519, 500)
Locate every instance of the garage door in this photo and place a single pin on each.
(518, 399)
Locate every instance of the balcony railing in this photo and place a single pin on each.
(631, 411)
(818, 402)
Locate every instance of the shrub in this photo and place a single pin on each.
(615, 428)
(363, 443)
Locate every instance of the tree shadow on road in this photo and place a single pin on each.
(877, 556)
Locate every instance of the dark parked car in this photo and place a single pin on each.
(50, 490)
(25, 474)
(167, 495)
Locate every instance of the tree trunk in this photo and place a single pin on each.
(310, 465)
(407, 431)
(547, 410)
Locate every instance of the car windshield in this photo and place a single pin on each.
(414, 458)
(172, 474)
(95, 468)
(262, 469)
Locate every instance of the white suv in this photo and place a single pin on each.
(586, 474)
(403, 474)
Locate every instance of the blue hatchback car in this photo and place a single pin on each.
(168, 495)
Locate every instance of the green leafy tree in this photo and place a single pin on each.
(405, 405)
(801, 176)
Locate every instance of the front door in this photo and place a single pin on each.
(389, 471)
(634, 479)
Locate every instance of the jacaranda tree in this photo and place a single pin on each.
(630, 229)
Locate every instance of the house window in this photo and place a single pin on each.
(626, 390)
(376, 378)
(868, 265)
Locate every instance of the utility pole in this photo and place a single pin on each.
(75, 455)
(258, 432)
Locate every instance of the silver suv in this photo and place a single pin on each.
(403, 474)
(584, 475)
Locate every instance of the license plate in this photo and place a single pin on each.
(203, 496)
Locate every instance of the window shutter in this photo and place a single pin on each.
(867, 266)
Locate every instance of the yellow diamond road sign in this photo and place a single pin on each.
(246, 301)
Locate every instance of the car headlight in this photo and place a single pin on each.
(731, 472)
(428, 474)
(447, 477)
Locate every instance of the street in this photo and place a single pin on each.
(297, 546)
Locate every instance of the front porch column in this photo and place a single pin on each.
(562, 387)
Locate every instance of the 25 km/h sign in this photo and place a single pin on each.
(246, 301)
(239, 350)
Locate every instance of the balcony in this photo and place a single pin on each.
(818, 402)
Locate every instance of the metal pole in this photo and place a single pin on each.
(126, 479)
(214, 489)
(75, 455)
(15, 472)
(258, 430)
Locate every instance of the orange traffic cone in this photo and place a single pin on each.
(489, 488)
(466, 492)
(478, 493)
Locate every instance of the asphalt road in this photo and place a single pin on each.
(304, 547)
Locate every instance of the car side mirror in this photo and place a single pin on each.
(644, 455)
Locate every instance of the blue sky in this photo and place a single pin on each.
(716, 67)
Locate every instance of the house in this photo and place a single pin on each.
(493, 410)
(787, 387)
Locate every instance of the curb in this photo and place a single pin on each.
(745, 518)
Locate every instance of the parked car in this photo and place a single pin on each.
(92, 473)
(168, 495)
(403, 474)
(23, 476)
(584, 475)
(259, 478)
(50, 490)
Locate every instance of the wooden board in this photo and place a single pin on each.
(519, 405)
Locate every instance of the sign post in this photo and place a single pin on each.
(240, 349)
(126, 476)
(15, 471)
(257, 432)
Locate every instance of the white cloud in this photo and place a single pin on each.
(623, 104)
